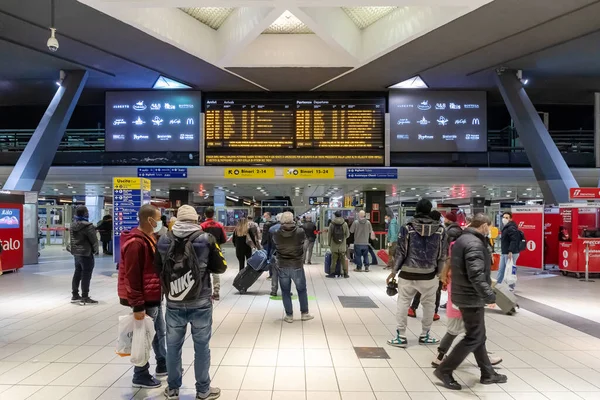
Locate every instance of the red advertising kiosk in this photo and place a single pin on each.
(530, 220)
(579, 233)
(11, 230)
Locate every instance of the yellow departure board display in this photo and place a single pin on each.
(294, 132)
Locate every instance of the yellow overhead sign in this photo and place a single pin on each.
(130, 183)
(309, 173)
(249, 173)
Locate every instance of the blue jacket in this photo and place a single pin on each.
(392, 234)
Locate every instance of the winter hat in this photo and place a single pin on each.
(187, 213)
(451, 217)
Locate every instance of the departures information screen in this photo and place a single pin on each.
(294, 131)
(438, 121)
(153, 121)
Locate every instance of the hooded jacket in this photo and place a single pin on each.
(139, 285)
(338, 247)
(289, 246)
(422, 249)
(84, 242)
(361, 228)
(210, 261)
(510, 239)
(309, 228)
(392, 234)
(471, 268)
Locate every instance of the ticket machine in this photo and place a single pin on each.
(579, 239)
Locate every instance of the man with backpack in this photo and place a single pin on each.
(420, 257)
(337, 234)
(139, 288)
(510, 240)
(185, 259)
(216, 229)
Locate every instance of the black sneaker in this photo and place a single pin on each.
(447, 380)
(87, 301)
(161, 370)
(496, 378)
(346, 276)
(273, 294)
(330, 276)
(148, 382)
(75, 299)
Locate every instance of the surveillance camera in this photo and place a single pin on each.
(52, 41)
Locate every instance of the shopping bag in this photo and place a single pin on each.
(124, 336)
(141, 343)
(511, 273)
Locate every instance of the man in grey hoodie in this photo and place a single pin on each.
(362, 230)
(185, 260)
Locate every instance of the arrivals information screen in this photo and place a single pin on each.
(295, 132)
(438, 121)
(153, 121)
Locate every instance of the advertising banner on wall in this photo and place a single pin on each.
(530, 220)
(11, 236)
(552, 221)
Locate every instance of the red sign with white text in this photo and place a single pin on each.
(11, 236)
(567, 256)
(530, 220)
(584, 193)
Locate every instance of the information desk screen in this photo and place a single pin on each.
(438, 121)
(153, 121)
(295, 132)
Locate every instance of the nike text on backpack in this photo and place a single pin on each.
(181, 270)
(338, 233)
(522, 241)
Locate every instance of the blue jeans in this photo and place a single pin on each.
(502, 266)
(286, 276)
(361, 252)
(158, 344)
(177, 321)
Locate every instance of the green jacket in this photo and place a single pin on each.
(393, 231)
(338, 247)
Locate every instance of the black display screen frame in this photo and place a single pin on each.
(423, 130)
(162, 96)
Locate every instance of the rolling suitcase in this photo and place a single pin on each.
(246, 278)
(338, 267)
(505, 299)
(384, 256)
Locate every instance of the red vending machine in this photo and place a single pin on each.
(11, 230)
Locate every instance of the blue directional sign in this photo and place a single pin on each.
(371, 173)
(162, 173)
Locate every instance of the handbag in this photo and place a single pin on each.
(511, 273)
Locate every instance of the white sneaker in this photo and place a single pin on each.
(289, 319)
(307, 317)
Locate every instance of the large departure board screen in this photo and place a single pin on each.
(153, 121)
(438, 121)
(296, 131)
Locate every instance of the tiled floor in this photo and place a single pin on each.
(50, 349)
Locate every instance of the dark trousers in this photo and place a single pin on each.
(473, 342)
(438, 295)
(106, 248)
(242, 253)
(84, 265)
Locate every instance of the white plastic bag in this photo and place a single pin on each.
(510, 273)
(124, 336)
(141, 344)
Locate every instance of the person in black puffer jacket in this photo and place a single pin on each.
(509, 240)
(471, 291)
(83, 247)
(289, 253)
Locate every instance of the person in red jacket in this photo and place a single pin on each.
(140, 288)
(216, 229)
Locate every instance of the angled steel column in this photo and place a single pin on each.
(549, 166)
(30, 171)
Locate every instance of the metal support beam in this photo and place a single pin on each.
(32, 167)
(551, 171)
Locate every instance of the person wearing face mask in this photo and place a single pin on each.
(471, 291)
(139, 288)
(510, 240)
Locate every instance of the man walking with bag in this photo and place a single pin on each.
(510, 242)
(420, 258)
(139, 288)
(471, 291)
(185, 260)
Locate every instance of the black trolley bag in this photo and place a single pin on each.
(246, 278)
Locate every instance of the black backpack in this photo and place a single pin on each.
(338, 233)
(181, 269)
(522, 241)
